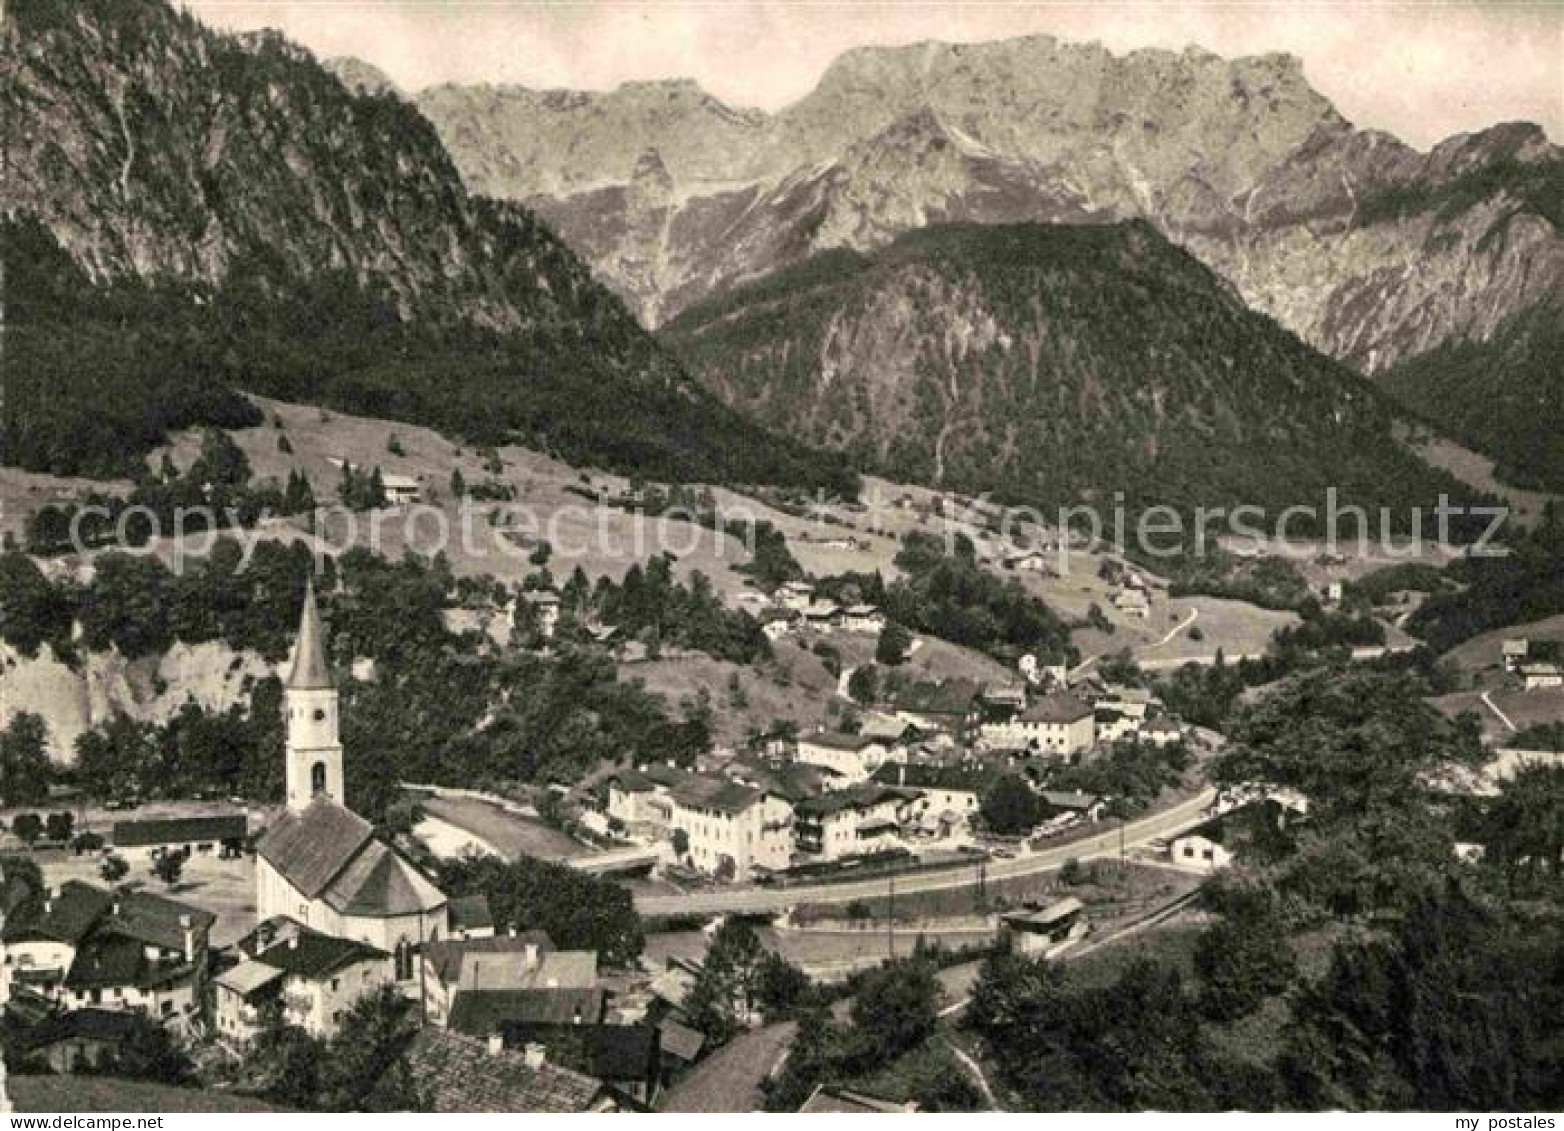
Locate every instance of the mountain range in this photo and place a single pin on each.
(188, 213)
(1370, 251)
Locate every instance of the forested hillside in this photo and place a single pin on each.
(190, 213)
(1052, 364)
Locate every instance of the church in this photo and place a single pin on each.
(320, 863)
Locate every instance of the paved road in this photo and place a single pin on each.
(1168, 822)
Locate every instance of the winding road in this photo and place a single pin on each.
(1154, 826)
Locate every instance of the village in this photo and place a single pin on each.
(338, 911)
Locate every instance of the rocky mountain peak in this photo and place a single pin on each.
(361, 77)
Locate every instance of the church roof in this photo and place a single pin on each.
(378, 882)
(310, 672)
(310, 849)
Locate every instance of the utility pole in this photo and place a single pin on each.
(890, 919)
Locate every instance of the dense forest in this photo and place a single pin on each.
(1503, 397)
(1052, 365)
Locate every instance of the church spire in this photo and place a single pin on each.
(310, 671)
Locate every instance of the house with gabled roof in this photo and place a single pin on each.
(856, 821)
(1058, 723)
(853, 757)
(732, 828)
(83, 947)
(310, 979)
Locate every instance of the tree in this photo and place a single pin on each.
(897, 1005)
(891, 648)
(1242, 959)
(864, 684)
(25, 770)
(150, 1051)
(28, 827)
(458, 483)
(578, 911)
(59, 825)
(169, 867)
(681, 844)
(723, 996)
(1010, 807)
(83, 843)
(32, 610)
(365, 1065)
(113, 869)
(780, 987)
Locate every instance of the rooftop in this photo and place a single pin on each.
(463, 1075)
(481, 1012)
(180, 830)
(310, 848)
(1059, 707)
(856, 798)
(717, 794)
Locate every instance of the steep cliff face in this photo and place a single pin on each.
(1050, 363)
(188, 212)
(1367, 249)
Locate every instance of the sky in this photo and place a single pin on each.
(1422, 70)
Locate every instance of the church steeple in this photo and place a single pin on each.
(310, 671)
(314, 753)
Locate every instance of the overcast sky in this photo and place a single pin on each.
(1422, 70)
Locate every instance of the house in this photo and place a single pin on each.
(202, 836)
(864, 619)
(948, 794)
(1000, 703)
(311, 979)
(545, 604)
(855, 821)
(680, 1044)
(1132, 603)
(952, 706)
(732, 828)
(776, 622)
(1058, 723)
(1514, 653)
(889, 729)
(1539, 677)
(1200, 848)
(523, 961)
(852, 756)
(822, 616)
(1045, 932)
(471, 918)
(1088, 806)
(795, 595)
(830, 1099)
(1110, 724)
(82, 947)
(463, 1074)
(400, 488)
(641, 799)
(320, 863)
(79, 1041)
(791, 781)
(626, 1058)
(1164, 731)
(1335, 592)
(1030, 561)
